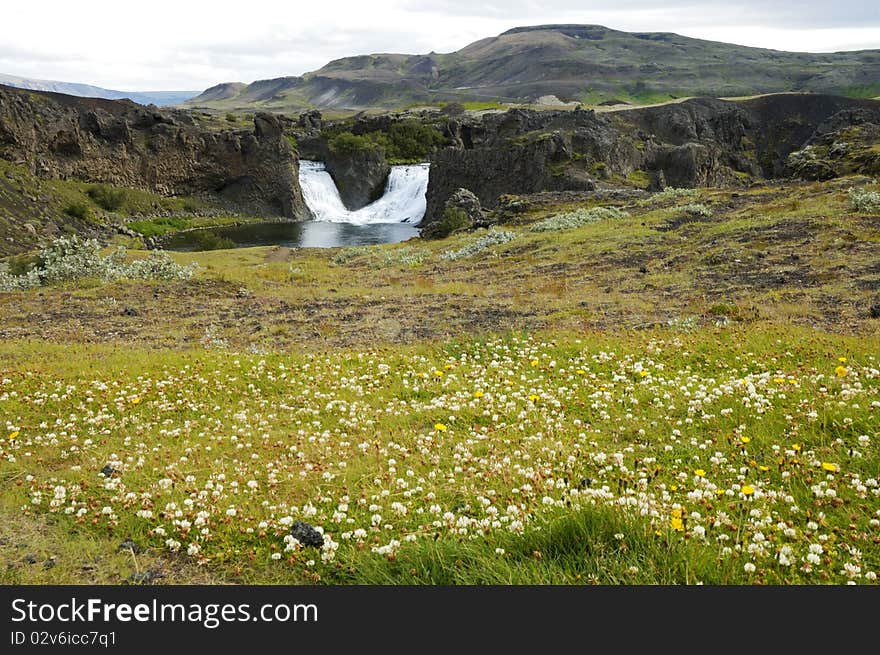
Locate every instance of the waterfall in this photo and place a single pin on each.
(403, 201)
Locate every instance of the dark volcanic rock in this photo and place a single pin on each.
(126, 144)
(306, 534)
(692, 165)
(462, 211)
(145, 577)
(129, 545)
(502, 168)
(467, 202)
(844, 144)
(698, 142)
(310, 120)
(360, 176)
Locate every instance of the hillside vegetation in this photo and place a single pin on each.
(587, 64)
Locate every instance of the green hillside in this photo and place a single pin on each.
(575, 63)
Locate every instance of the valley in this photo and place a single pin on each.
(409, 336)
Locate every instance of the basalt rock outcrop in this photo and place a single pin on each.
(462, 211)
(122, 143)
(360, 176)
(698, 142)
(846, 143)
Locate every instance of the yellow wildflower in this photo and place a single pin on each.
(745, 439)
(676, 524)
(842, 360)
(136, 400)
(535, 362)
(13, 435)
(644, 374)
(700, 473)
(828, 466)
(440, 427)
(478, 394)
(534, 398)
(747, 490)
(841, 371)
(438, 374)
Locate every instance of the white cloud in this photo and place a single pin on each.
(193, 45)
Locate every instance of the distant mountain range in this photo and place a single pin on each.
(159, 98)
(558, 63)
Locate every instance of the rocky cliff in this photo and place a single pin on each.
(698, 142)
(122, 143)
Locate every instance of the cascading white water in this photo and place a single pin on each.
(403, 201)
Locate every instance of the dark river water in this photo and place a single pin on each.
(309, 234)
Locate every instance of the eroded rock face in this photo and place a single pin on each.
(844, 144)
(698, 142)
(122, 143)
(360, 177)
(506, 168)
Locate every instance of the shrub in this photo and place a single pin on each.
(156, 266)
(347, 254)
(208, 240)
(695, 210)
(577, 218)
(491, 238)
(412, 140)
(407, 255)
(70, 258)
(454, 219)
(230, 117)
(405, 141)
(107, 197)
(864, 202)
(453, 109)
(21, 264)
(78, 210)
(346, 143)
(673, 193)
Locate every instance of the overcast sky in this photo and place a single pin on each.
(183, 45)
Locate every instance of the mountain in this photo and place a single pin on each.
(581, 63)
(160, 98)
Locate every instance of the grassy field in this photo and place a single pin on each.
(718, 456)
(684, 390)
